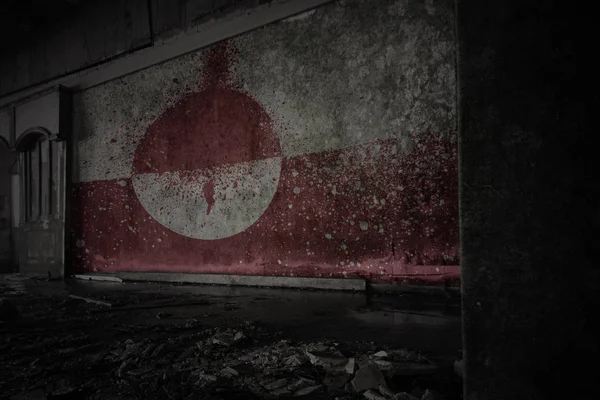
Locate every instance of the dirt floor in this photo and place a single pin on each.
(157, 341)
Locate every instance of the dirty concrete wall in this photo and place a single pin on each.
(321, 145)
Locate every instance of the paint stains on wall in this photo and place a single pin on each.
(216, 152)
(209, 195)
(213, 127)
(342, 222)
(281, 157)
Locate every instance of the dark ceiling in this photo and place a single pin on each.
(21, 19)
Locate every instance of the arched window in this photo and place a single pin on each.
(37, 159)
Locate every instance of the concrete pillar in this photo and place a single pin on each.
(529, 201)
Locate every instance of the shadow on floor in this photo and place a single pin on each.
(142, 312)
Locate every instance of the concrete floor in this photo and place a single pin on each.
(429, 324)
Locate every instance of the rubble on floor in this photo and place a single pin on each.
(210, 361)
(102, 356)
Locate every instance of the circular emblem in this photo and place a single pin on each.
(209, 167)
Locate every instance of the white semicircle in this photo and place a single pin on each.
(179, 202)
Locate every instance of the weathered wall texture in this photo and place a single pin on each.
(6, 160)
(322, 145)
(6, 241)
(530, 198)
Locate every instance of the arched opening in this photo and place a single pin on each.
(35, 158)
(41, 186)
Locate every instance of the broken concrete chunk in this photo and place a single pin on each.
(384, 365)
(318, 347)
(330, 359)
(158, 351)
(280, 392)
(277, 384)
(368, 377)
(123, 368)
(384, 390)
(189, 352)
(307, 390)
(300, 383)
(132, 350)
(148, 350)
(227, 338)
(350, 366)
(294, 360)
(373, 395)
(404, 396)
(204, 377)
(222, 339)
(229, 372)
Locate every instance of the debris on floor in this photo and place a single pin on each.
(406, 396)
(368, 377)
(227, 338)
(63, 348)
(90, 300)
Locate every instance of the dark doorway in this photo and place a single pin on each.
(41, 241)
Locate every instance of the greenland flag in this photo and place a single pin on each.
(211, 191)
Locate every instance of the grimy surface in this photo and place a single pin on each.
(321, 145)
(179, 342)
(6, 240)
(529, 201)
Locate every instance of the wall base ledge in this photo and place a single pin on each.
(247, 280)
